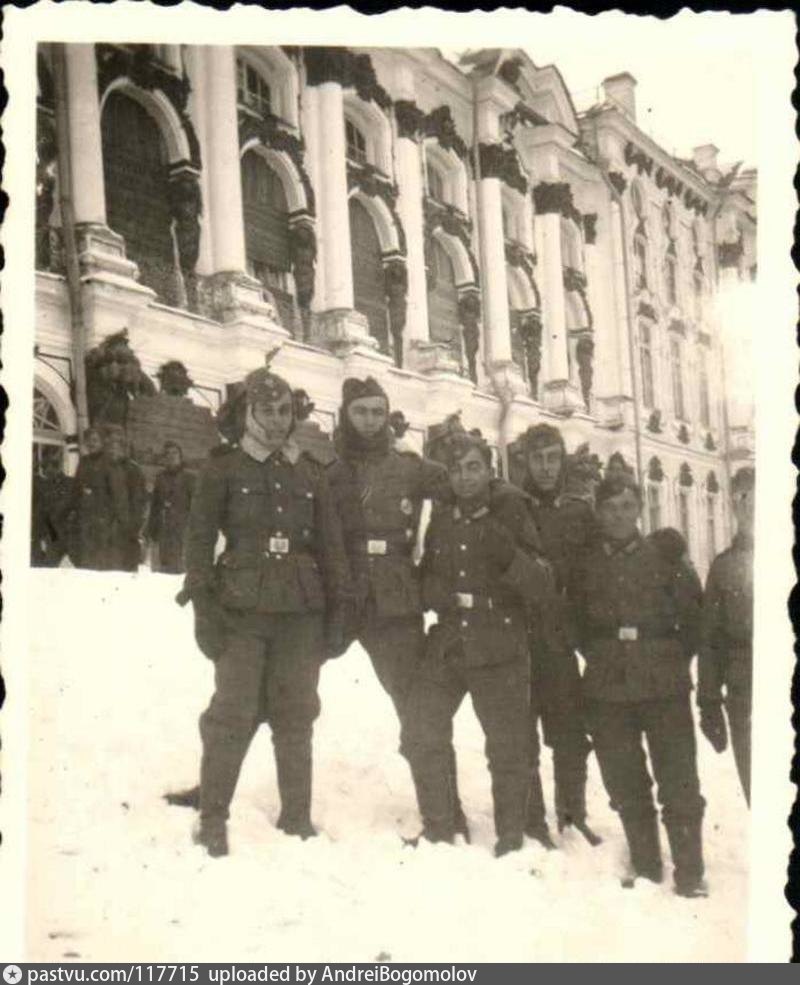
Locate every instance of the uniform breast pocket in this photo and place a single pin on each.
(239, 584)
(248, 504)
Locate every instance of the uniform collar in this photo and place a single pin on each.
(289, 450)
(612, 548)
(478, 510)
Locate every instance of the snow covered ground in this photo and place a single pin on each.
(116, 688)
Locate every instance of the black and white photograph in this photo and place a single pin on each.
(389, 397)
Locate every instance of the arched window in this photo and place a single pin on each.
(685, 514)
(639, 262)
(355, 142)
(705, 398)
(697, 283)
(369, 295)
(49, 440)
(671, 280)
(653, 506)
(252, 89)
(442, 297)
(137, 204)
(676, 364)
(436, 184)
(266, 231)
(646, 358)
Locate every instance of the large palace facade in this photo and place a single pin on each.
(455, 230)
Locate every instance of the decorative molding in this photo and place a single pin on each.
(683, 434)
(410, 119)
(137, 63)
(575, 280)
(501, 161)
(730, 254)
(644, 164)
(647, 311)
(556, 196)
(303, 255)
(584, 356)
(469, 314)
(618, 180)
(530, 335)
(655, 471)
(685, 477)
(712, 484)
(522, 115)
(519, 257)
(452, 221)
(271, 131)
(186, 207)
(590, 228)
(708, 443)
(654, 422)
(635, 156)
(374, 183)
(509, 71)
(439, 123)
(350, 70)
(396, 287)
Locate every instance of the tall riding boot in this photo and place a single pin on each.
(460, 825)
(535, 815)
(644, 845)
(569, 768)
(293, 764)
(509, 794)
(431, 775)
(686, 845)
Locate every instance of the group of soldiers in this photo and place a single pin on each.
(103, 517)
(521, 581)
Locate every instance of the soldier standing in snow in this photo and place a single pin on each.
(128, 492)
(477, 575)
(637, 614)
(169, 510)
(90, 504)
(260, 611)
(567, 527)
(378, 490)
(51, 529)
(726, 657)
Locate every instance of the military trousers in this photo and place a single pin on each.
(738, 708)
(394, 645)
(269, 670)
(500, 697)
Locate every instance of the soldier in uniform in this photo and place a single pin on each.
(169, 509)
(477, 576)
(378, 490)
(726, 657)
(260, 611)
(51, 528)
(90, 506)
(637, 614)
(567, 527)
(128, 492)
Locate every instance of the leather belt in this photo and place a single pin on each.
(473, 600)
(379, 547)
(632, 634)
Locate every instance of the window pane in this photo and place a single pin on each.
(654, 507)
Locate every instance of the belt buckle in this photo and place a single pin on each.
(376, 547)
(628, 633)
(465, 600)
(279, 545)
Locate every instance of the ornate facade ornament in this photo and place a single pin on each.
(410, 119)
(137, 63)
(590, 228)
(730, 254)
(522, 115)
(374, 183)
(683, 434)
(647, 310)
(555, 196)
(502, 161)
(303, 256)
(174, 379)
(270, 131)
(439, 123)
(521, 258)
(350, 70)
(584, 356)
(634, 155)
(575, 280)
(618, 180)
(655, 471)
(709, 444)
(396, 286)
(530, 334)
(186, 206)
(685, 477)
(712, 485)
(453, 222)
(509, 71)
(469, 314)
(654, 424)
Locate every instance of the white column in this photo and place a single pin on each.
(623, 367)
(224, 206)
(497, 327)
(409, 179)
(554, 343)
(85, 141)
(311, 135)
(337, 256)
(198, 100)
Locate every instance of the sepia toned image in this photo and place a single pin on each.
(368, 376)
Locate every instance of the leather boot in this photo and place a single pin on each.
(293, 765)
(686, 846)
(645, 846)
(510, 795)
(460, 824)
(535, 817)
(184, 798)
(212, 834)
(434, 797)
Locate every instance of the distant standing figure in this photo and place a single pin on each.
(90, 506)
(726, 657)
(128, 503)
(50, 526)
(169, 510)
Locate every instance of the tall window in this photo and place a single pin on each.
(684, 515)
(705, 402)
(671, 280)
(436, 184)
(369, 295)
(266, 231)
(252, 90)
(49, 441)
(676, 361)
(640, 263)
(711, 525)
(646, 355)
(136, 184)
(654, 506)
(356, 142)
(442, 298)
(697, 284)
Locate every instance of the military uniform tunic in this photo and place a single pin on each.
(478, 581)
(638, 618)
(169, 514)
(91, 505)
(726, 656)
(282, 568)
